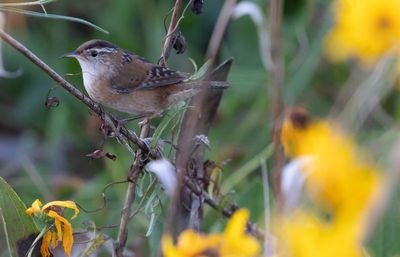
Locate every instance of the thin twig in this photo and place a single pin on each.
(140, 204)
(171, 36)
(275, 88)
(171, 30)
(76, 93)
(134, 173)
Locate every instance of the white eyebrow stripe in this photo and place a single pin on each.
(104, 49)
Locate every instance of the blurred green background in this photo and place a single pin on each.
(42, 151)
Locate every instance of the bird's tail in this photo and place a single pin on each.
(201, 84)
(218, 84)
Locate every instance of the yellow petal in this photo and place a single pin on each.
(35, 208)
(65, 204)
(169, 248)
(53, 240)
(67, 238)
(237, 223)
(57, 221)
(44, 248)
(236, 242)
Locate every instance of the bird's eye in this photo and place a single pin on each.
(93, 53)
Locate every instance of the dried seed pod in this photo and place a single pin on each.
(52, 102)
(179, 43)
(98, 154)
(197, 6)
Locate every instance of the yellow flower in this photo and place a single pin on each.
(364, 29)
(50, 214)
(305, 235)
(236, 242)
(338, 181)
(337, 176)
(232, 243)
(189, 244)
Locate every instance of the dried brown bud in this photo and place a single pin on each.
(52, 102)
(179, 43)
(299, 117)
(98, 154)
(197, 6)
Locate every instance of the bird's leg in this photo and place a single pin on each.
(122, 122)
(144, 122)
(147, 119)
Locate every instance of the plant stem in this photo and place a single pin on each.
(276, 75)
(133, 174)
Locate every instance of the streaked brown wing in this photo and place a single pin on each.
(138, 74)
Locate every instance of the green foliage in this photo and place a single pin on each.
(18, 226)
(52, 16)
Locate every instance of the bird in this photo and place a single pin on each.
(124, 81)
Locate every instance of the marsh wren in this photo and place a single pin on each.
(124, 81)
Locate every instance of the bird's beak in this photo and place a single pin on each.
(72, 54)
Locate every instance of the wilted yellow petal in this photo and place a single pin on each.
(64, 231)
(53, 240)
(65, 204)
(68, 240)
(44, 248)
(35, 208)
(57, 221)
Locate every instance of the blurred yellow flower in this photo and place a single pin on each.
(235, 241)
(336, 168)
(189, 244)
(337, 176)
(364, 29)
(50, 214)
(338, 181)
(232, 243)
(304, 235)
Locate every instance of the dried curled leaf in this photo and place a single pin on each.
(98, 154)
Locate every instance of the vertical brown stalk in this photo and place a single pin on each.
(133, 174)
(187, 205)
(276, 80)
(144, 132)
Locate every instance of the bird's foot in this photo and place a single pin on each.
(119, 123)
